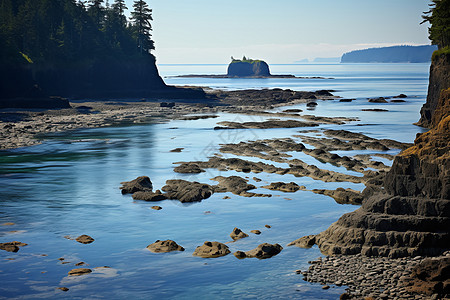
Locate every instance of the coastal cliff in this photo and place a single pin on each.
(248, 68)
(412, 215)
(439, 80)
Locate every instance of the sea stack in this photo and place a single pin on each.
(248, 68)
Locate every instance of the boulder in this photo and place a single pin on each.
(304, 242)
(432, 276)
(290, 187)
(12, 246)
(142, 183)
(237, 234)
(378, 100)
(263, 251)
(84, 239)
(149, 196)
(211, 250)
(79, 272)
(248, 68)
(188, 168)
(164, 246)
(187, 191)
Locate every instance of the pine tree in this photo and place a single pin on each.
(141, 16)
(439, 18)
(96, 10)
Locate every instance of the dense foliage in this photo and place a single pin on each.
(439, 18)
(69, 32)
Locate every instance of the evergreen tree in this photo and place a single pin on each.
(96, 11)
(141, 16)
(439, 18)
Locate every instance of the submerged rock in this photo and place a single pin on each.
(188, 168)
(84, 239)
(304, 242)
(149, 196)
(212, 250)
(164, 246)
(263, 251)
(12, 246)
(237, 234)
(79, 271)
(142, 183)
(290, 187)
(378, 100)
(256, 231)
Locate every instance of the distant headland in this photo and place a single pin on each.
(247, 68)
(395, 54)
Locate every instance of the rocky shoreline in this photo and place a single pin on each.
(375, 277)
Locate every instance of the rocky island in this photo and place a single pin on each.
(247, 68)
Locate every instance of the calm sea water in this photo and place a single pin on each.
(69, 185)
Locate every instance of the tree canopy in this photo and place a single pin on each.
(70, 32)
(439, 18)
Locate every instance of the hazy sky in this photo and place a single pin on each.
(280, 31)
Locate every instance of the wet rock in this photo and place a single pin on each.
(311, 104)
(401, 96)
(257, 179)
(257, 232)
(374, 109)
(267, 226)
(236, 185)
(177, 150)
(284, 187)
(237, 234)
(397, 101)
(188, 168)
(431, 276)
(264, 125)
(12, 246)
(64, 289)
(149, 196)
(8, 224)
(240, 254)
(304, 242)
(84, 239)
(292, 110)
(81, 263)
(142, 183)
(264, 251)
(79, 271)
(187, 191)
(342, 196)
(212, 250)
(156, 207)
(199, 117)
(164, 246)
(378, 100)
(346, 100)
(226, 197)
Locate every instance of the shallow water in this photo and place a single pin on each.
(69, 186)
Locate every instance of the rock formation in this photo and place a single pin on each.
(237, 234)
(412, 216)
(248, 68)
(263, 251)
(211, 250)
(439, 80)
(164, 246)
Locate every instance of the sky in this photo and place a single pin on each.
(280, 31)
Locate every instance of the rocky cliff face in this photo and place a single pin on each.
(412, 216)
(248, 69)
(439, 80)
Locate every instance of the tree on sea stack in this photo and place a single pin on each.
(141, 17)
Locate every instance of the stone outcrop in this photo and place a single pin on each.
(164, 246)
(142, 183)
(84, 239)
(439, 80)
(211, 250)
(187, 191)
(248, 68)
(431, 277)
(12, 246)
(263, 251)
(237, 234)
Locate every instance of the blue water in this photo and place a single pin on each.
(69, 185)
